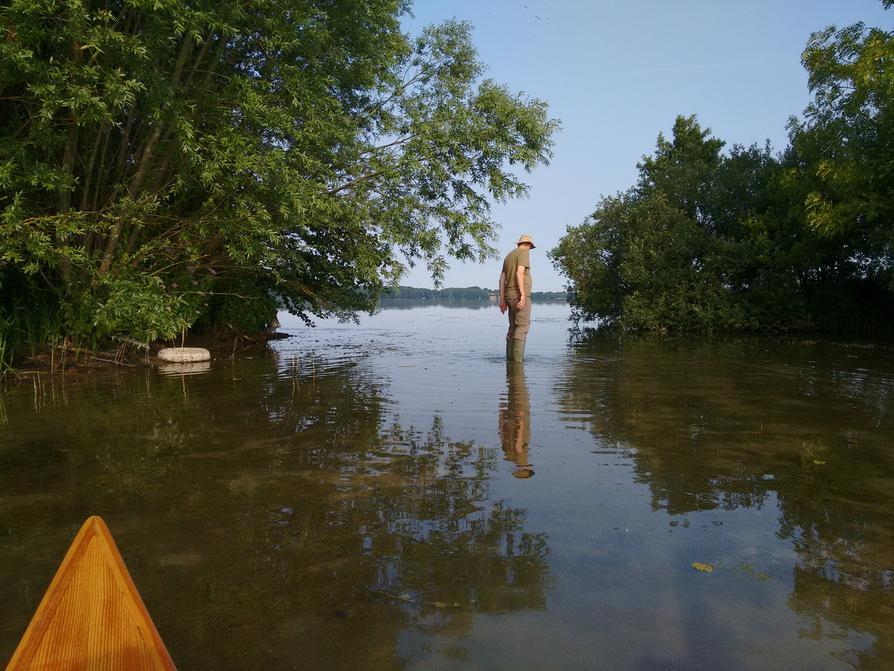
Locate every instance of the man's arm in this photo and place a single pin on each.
(503, 305)
(520, 281)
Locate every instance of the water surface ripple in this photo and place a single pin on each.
(391, 495)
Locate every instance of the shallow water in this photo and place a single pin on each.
(391, 496)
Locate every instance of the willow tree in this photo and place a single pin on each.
(169, 162)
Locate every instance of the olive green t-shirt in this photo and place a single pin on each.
(520, 256)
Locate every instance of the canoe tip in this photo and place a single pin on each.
(95, 525)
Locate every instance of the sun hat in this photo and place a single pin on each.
(526, 238)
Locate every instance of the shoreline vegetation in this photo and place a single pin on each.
(63, 357)
(168, 170)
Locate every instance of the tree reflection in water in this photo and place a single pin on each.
(270, 516)
(745, 424)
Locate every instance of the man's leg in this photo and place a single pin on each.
(522, 319)
(511, 299)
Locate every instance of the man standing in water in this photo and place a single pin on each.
(515, 295)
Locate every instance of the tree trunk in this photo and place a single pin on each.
(64, 204)
(101, 134)
(136, 185)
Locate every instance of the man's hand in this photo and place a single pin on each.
(503, 307)
(521, 303)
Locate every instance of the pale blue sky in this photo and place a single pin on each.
(618, 72)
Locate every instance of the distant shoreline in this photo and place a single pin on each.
(461, 293)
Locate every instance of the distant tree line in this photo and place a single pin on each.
(167, 166)
(746, 239)
(403, 293)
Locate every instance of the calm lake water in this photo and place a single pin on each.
(390, 496)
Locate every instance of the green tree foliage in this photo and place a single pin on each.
(163, 163)
(744, 239)
(698, 244)
(843, 150)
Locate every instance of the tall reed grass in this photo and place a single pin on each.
(5, 357)
(26, 330)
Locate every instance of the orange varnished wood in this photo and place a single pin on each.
(92, 617)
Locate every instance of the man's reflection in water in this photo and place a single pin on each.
(515, 419)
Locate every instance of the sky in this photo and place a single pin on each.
(618, 72)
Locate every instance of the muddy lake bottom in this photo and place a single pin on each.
(392, 495)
